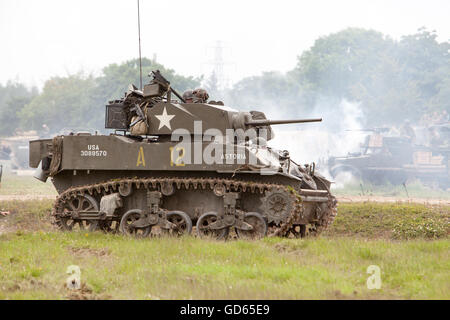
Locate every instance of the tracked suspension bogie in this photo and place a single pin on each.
(134, 206)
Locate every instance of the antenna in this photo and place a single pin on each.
(140, 58)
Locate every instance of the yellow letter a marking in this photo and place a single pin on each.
(140, 159)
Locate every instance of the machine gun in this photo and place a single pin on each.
(120, 112)
(159, 79)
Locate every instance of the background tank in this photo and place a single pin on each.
(14, 152)
(397, 158)
(171, 165)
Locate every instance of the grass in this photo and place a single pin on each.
(25, 185)
(29, 215)
(371, 220)
(33, 266)
(34, 259)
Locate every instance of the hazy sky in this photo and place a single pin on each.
(40, 39)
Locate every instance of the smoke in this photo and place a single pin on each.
(338, 134)
(317, 142)
(344, 178)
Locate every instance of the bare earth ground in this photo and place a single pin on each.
(349, 199)
(341, 199)
(23, 197)
(14, 187)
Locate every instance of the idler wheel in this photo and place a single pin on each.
(74, 206)
(128, 219)
(204, 223)
(258, 223)
(182, 222)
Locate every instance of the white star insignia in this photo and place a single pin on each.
(164, 119)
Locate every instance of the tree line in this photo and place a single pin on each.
(390, 80)
(76, 101)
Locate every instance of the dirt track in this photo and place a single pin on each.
(26, 197)
(345, 199)
(392, 200)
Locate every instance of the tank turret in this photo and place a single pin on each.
(153, 112)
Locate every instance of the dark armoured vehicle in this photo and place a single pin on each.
(15, 149)
(397, 159)
(172, 165)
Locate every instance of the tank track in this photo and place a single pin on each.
(281, 230)
(327, 219)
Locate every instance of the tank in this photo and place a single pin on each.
(396, 158)
(14, 151)
(171, 167)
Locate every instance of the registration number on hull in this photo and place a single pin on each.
(93, 150)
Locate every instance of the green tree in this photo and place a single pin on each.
(13, 97)
(116, 78)
(78, 101)
(65, 102)
(272, 92)
(425, 66)
(392, 80)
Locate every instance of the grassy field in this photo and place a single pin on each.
(408, 242)
(25, 185)
(405, 221)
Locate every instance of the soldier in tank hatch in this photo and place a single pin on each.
(200, 95)
(188, 96)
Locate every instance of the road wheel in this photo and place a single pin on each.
(181, 220)
(258, 223)
(203, 229)
(126, 224)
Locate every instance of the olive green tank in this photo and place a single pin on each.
(172, 166)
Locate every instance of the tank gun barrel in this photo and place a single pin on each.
(271, 122)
